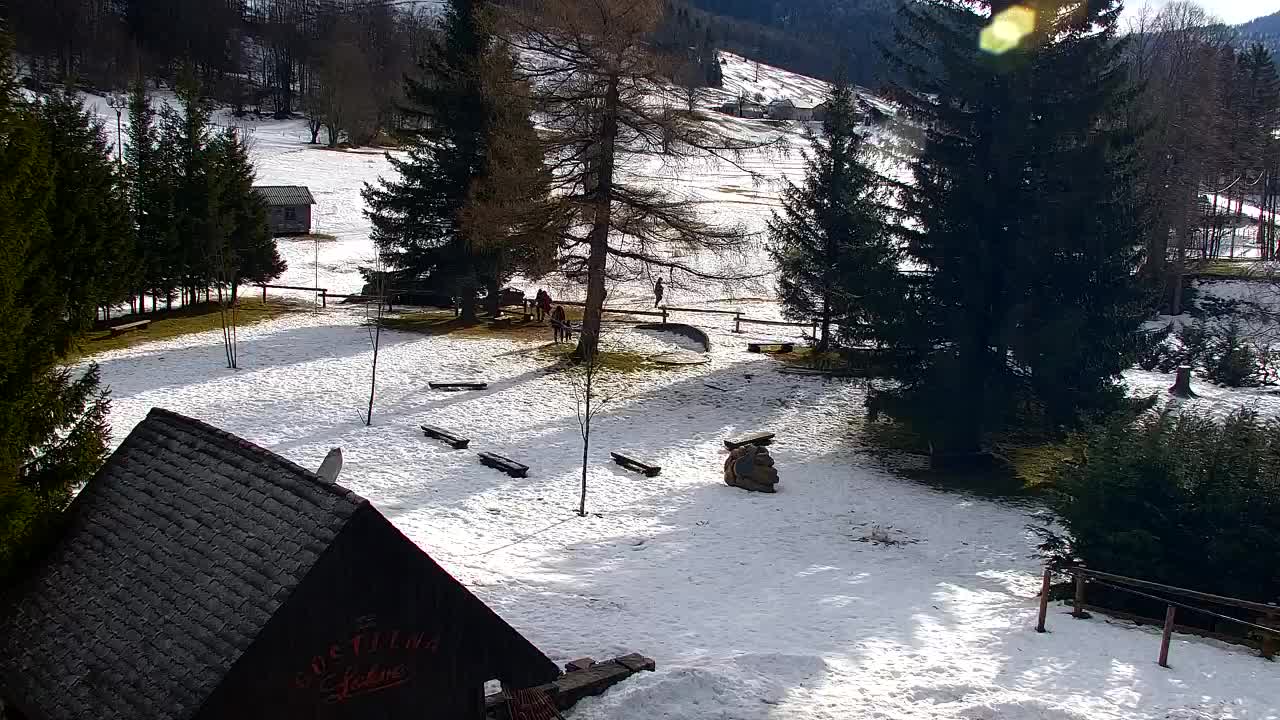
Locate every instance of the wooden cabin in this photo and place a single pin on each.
(288, 208)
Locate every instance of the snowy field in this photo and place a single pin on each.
(753, 606)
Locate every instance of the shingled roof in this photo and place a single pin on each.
(280, 195)
(180, 549)
(190, 546)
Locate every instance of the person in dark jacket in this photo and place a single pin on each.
(658, 290)
(560, 325)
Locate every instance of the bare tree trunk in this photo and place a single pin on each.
(824, 344)
(493, 303)
(597, 260)
(586, 445)
(467, 300)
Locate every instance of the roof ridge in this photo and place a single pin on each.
(237, 443)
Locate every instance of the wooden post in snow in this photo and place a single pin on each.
(1078, 610)
(1044, 600)
(1164, 639)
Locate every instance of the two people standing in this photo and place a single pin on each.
(560, 327)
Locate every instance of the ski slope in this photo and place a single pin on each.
(754, 607)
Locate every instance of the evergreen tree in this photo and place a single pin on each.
(194, 227)
(249, 248)
(1022, 215)
(53, 432)
(93, 249)
(835, 255)
(149, 199)
(418, 218)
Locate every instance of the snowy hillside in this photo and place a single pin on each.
(852, 593)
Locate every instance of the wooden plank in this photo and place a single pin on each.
(458, 443)
(128, 327)
(506, 465)
(295, 287)
(631, 463)
(458, 385)
(705, 312)
(581, 682)
(1193, 594)
(781, 347)
(760, 438)
(596, 679)
(775, 323)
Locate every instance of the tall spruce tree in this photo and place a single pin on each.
(424, 220)
(247, 244)
(1022, 213)
(194, 226)
(53, 431)
(93, 248)
(836, 257)
(149, 198)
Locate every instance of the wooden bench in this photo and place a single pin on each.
(458, 443)
(506, 465)
(458, 385)
(760, 438)
(631, 463)
(129, 327)
(771, 347)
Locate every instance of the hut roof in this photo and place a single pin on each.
(177, 554)
(279, 195)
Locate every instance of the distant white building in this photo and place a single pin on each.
(743, 108)
(785, 109)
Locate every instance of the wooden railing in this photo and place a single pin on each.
(1268, 615)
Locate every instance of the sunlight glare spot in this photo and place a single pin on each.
(1007, 29)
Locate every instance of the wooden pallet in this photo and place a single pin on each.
(458, 385)
(583, 679)
(631, 463)
(506, 465)
(760, 438)
(458, 443)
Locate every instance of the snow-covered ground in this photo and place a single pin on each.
(753, 606)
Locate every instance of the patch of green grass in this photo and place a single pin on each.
(309, 237)
(1234, 270)
(1032, 460)
(175, 323)
(611, 362)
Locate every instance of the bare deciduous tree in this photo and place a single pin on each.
(584, 378)
(605, 99)
(1175, 55)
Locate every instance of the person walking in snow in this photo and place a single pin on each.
(544, 304)
(559, 324)
(657, 293)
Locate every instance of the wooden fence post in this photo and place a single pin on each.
(1164, 639)
(264, 294)
(737, 323)
(1078, 610)
(664, 315)
(324, 298)
(1044, 599)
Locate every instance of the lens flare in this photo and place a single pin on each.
(1007, 29)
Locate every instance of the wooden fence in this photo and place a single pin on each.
(324, 293)
(1266, 624)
